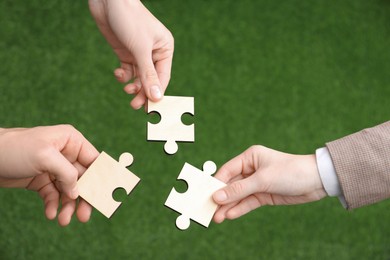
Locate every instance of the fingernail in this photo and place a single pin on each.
(131, 90)
(137, 107)
(118, 74)
(220, 196)
(155, 92)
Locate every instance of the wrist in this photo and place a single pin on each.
(313, 168)
(306, 168)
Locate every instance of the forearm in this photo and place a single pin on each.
(5, 181)
(3, 149)
(14, 183)
(7, 145)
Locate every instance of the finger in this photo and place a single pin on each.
(71, 140)
(136, 88)
(48, 192)
(64, 173)
(50, 197)
(80, 168)
(84, 211)
(149, 77)
(51, 204)
(67, 210)
(220, 214)
(76, 148)
(231, 169)
(133, 88)
(139, 100)
(125, 73)
(236, 191)
(242, 164)
(83, 152)
(243, 207)
(163, 68)
(225, 207)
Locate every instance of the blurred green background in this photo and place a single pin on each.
(290, 75)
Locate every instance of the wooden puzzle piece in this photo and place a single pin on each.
(102, 178)
(197, 202)
(170, 128)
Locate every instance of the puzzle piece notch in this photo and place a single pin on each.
(196, 203)
(126, 160)
(170, 128)
(102, 178)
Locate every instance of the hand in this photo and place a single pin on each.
(48, 160)
(262, 176)
(143, 45)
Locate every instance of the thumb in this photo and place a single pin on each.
(235, 191)
(64, 172)
(149, 78)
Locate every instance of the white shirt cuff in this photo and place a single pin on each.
(328, 175)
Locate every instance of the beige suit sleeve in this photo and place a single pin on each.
(362, 163)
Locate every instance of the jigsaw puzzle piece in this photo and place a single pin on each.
(102, 178)
(196, 203)
(170, 128)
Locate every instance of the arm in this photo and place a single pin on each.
(47, 160)
(362, 164)
(143, 45)
(262, 176)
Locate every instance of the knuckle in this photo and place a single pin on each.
(71, 131)
(150, 74)
(255, 148)
(235, 189)
(66, 128)
(232, 214)
(167, 37)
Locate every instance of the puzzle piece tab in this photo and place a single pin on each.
(197, 202)
(100, 180)
(171, 128)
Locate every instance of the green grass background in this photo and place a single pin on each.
(290, 75)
